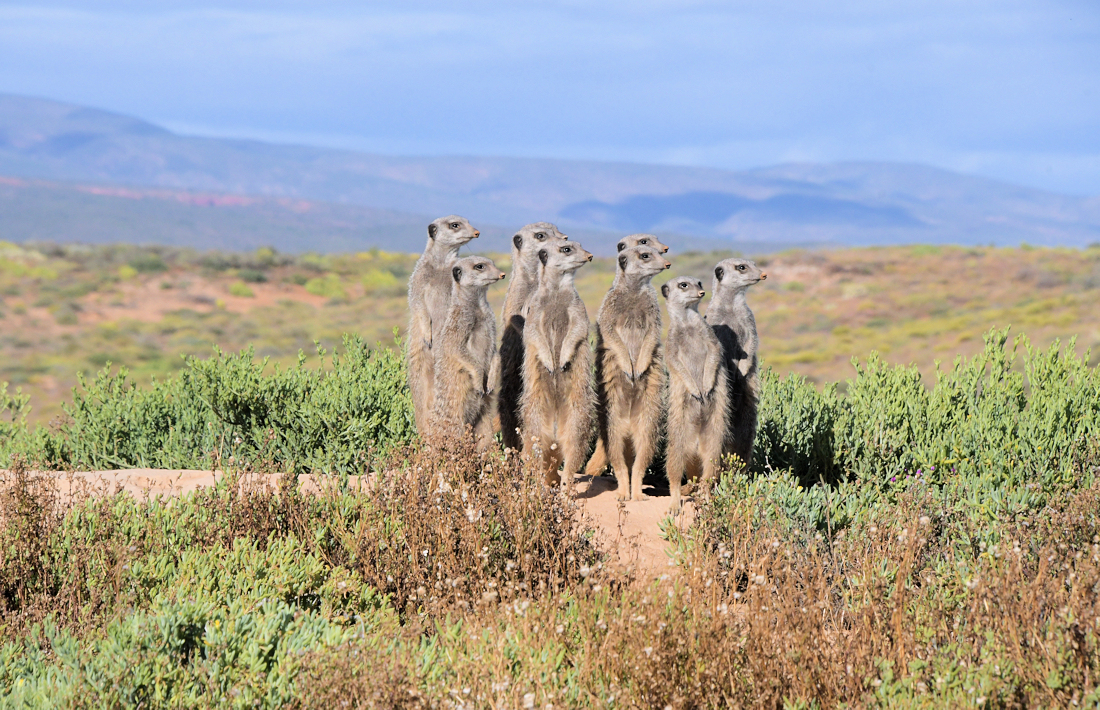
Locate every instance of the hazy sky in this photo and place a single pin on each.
(1008, 89)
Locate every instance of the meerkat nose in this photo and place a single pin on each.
(702, 293)
(763, 276)
(668, 264)
(590, 257)
(476, 234)
(665, 250)
(502, 274)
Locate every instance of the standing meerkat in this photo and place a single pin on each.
(465, 370)
(629, 371)
(429, 299)
(598, 463)
(698, 390)
(525, 273)
(557, 366)
(731, 319)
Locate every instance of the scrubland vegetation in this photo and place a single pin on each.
(902, 543)
(68, 309)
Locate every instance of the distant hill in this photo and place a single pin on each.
(358, 198)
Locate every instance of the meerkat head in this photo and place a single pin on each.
(683, 292)
(527, 238)
(452, 231)
(527, 242)
(564, 257)
(647, 240)
(642, 261)
(476, 272)
(737, 274)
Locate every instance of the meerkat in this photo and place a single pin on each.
(557, 402)
(698, 390)
(731, 319)
(598, 463)
(429, 299)
(525, 266)
(465, 387)
(629, 371)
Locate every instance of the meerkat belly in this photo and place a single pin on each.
(556, 324)
(481, 346)
(633, 331)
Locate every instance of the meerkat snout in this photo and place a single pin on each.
(763, 275)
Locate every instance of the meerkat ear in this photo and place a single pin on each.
(456, 272)
(622, 262)
(664, 290)
(621, 246)
(719, 272)
(543, 256)
(517, 240)
(431, 230)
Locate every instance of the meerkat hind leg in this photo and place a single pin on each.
(694, 472)
(620, 464)
(642, 450)
(674, 469)
(483, 431)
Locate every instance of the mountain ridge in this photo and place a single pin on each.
(854, 202)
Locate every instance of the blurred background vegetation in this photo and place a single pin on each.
(71, 309)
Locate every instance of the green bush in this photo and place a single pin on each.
(378, 282)
(328, 286)
(241, 290)
(992, 441)
(303, 418)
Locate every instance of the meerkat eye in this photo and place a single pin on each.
(566, 250)
(540, 235)
(683, 285)
(645, 256)
(454, 225)
(741, 267)
(479, 267)
(643, 241)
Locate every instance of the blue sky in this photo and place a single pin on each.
(1006, 89)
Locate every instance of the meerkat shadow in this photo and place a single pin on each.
(597, 486)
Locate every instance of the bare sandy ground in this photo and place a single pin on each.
(629, 530)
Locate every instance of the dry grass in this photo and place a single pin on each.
(509, 607)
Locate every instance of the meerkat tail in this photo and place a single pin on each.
(597, 465)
